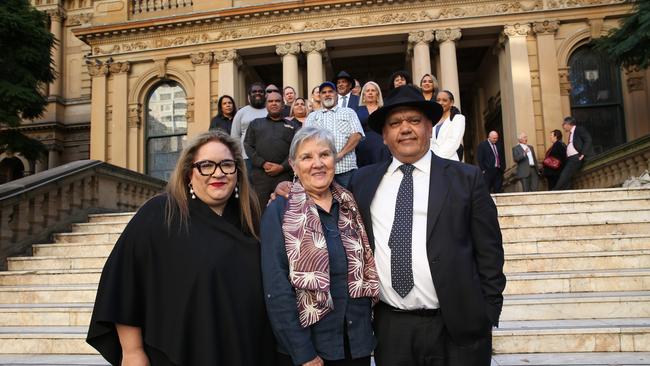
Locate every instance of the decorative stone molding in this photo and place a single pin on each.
(287, 48)
(421, 36)
(229, 55)
(565, 83)
(201, 58)
(313, 46)
(546, 27)
(56, 14)
(635, 78)
(79, 19)
(189, 113)
(97, 68)
(119, 67)
(134, 119)
(515, 30)
(161, 66)
(449, 34)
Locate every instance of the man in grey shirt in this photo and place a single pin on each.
(244, 116)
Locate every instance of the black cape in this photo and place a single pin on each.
(196, 293)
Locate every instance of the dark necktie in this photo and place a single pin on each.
(344, 103)
(401, 270)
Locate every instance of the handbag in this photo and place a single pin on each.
(552, 162)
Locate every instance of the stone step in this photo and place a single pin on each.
(588, 305)
(578, 244)
(540, 232)
(111, 217)
(45, 314)
(584, 335)
(570, 206)
(99, 227)
(548, 262)
(559, 197)
(578, 281)
(48, 294)
(52, 360)
(573, 359)
(54, 262)
(49, 340)
(73, 249)
(576, 218)
(50, 277)
(106, 237)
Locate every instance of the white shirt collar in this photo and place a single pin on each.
(423, 165)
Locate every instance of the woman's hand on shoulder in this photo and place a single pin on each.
(315, 362)
(135, 358)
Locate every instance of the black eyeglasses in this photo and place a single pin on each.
(208, 167)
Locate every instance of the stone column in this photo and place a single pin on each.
(53, 154)
(228, 72)
(134, 123)
(56, 27)
(636, 102)
(421, 59)
(519, 74)
(509, 129)
(448, 65)
(98, 72)
(315, 73)
(119, 129)
(202, 62)
(289, 52)
(549, 78)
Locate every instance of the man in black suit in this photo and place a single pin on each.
(434, 231)
(578, 149)
(491, 160)
(344, 83)
(527, 171)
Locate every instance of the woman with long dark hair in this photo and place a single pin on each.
(447, 136)
(226, 110)
(558, 151)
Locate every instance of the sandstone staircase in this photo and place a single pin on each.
(578, 293)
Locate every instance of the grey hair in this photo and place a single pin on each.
(310, 133)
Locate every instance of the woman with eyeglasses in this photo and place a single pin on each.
(183, 283)
(320, 279)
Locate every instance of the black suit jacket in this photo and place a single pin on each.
(353, 102)
(582, 142)
(464, 245)
(485, 156)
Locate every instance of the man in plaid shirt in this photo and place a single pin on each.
(344, 125)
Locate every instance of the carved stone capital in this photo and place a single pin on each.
(315, 45)
(518, 29)
(229, 55)
(635, 78)
(97, 68)
(422, 36)
(57, 14)
(79, 19)
(119, 67)
(443, 35)
(134, 119)
(288, 48)
(201, 58)
(546, 27)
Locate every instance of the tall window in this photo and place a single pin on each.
(166, 128)
(596, 98)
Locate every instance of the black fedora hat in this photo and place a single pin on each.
(405, 96)
(344, 75)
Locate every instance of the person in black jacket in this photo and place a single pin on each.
(491, 160)
(226, 110)
(578, 149)
(558, 151)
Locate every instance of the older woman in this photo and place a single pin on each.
(448, 133)
(319, 274)
(371, 149)
(558, 151)
(183, 284)
(429, 86)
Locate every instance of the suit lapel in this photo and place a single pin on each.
(365, 193)
(438, 188)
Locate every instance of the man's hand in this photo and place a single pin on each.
(282, 189)
(581, 157)
(272, 169)
(315, 362)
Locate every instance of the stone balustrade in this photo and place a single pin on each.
(34, 207)
(154, 6)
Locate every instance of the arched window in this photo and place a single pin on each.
(166, 128)
(596, 101)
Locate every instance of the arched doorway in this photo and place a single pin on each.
(596, 101)
(166, 130)
(11, 168)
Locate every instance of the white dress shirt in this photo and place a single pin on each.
(570, 149)
(531, 161)
(382, 211)
(347, 99)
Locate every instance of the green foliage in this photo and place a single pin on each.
(25, 61)
(13, 140)
(630, 44)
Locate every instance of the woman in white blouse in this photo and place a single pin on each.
(448, 132)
